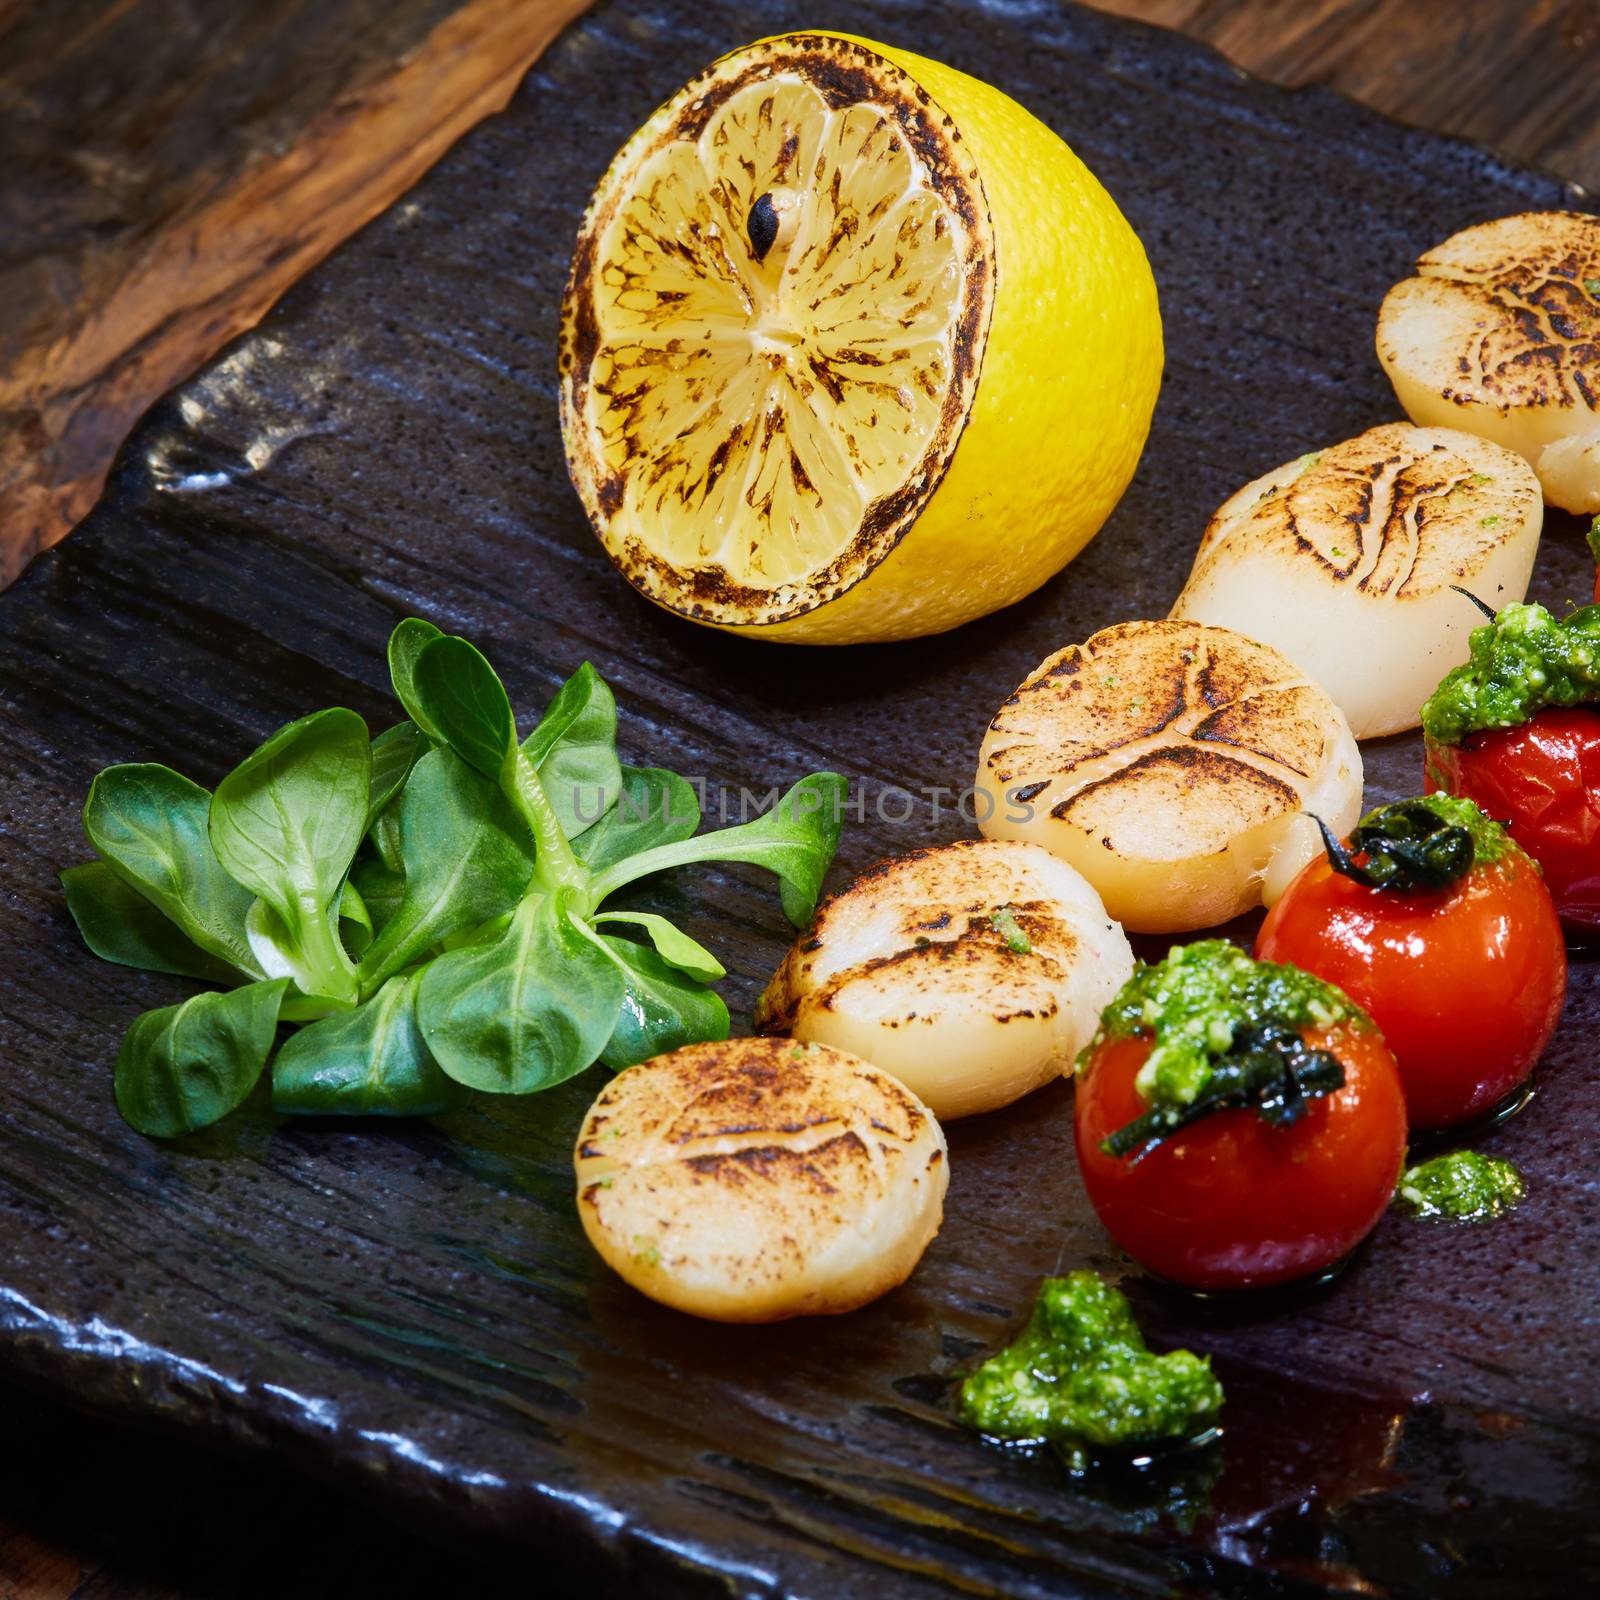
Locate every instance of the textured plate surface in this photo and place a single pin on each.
(411, 1310)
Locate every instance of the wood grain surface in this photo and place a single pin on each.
(171, 166)
(1520, 75)
(100, 311)
(411, 1312)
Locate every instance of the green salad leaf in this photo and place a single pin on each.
(285, 823)
(405, 645)
(394, 754)
(495, 1020)
(150, 826)
(429, 906)
(796, 840)
(186, 1066)
(673, 945)
(371, 1061)
(574, 751)
(460, 697)
(653, 807)
(662, 1007)
(463, 857)
(380, 886)
(120, 925)
(355, 921)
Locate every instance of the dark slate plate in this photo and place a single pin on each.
(411, 1310)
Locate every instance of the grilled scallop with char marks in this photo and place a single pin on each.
(1344, 559)
(974, 972)
(756, 1179)
(1499, 333)
(1173, 765)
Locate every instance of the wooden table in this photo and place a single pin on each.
(171, 166)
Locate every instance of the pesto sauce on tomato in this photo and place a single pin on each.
(1193, 1003)
(1462, 1186)
(1518, 664)
(1490, 842)
(1080, 1376)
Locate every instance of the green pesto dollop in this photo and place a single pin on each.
(1194, 1002)
(1080, 1377)
(1594, 539)
(1520, 663)
(1463, 1186)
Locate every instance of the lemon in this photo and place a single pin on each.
(853, 347)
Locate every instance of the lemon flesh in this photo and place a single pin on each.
(853, 348)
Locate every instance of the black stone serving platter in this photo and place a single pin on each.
(410, 1310)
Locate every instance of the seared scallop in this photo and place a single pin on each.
(756, 1179)
(1499, 333)
(1344, 561)
(1174, 765)
(974, 972)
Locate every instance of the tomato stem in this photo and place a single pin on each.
(1405, 847)
(1269, 1069)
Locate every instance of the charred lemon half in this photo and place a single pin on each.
(853, 347)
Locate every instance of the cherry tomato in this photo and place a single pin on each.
(1542, 780)
(1466, 982)
(1232, 1202)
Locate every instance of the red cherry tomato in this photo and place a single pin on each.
(1232, 1202)
(1542, 780)
(1466, 982)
